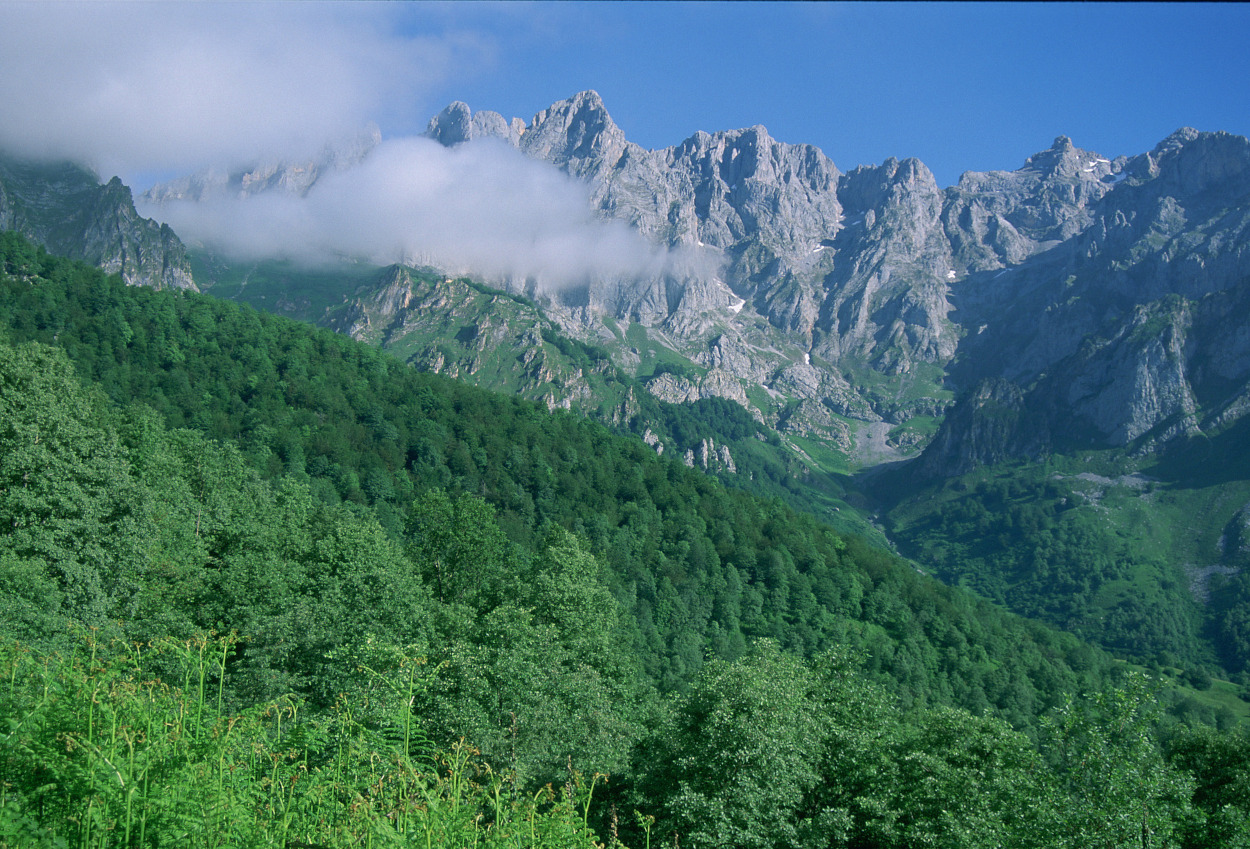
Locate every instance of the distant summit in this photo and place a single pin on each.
(1103, 297)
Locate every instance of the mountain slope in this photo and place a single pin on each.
(700, 568)
(851, 304)
(65, 208)
(1121, 329)
(1073, 304)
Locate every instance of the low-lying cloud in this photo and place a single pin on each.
(481, 208)
(134, 88)
(147, 89)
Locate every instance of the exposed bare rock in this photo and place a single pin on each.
(988, 426)
(887, 295)
(811, 418)
(673, 389)
(67, 210)
(708, 456)
(1118, 330)
(1075, 296)
(1139, 382)
(653, 440)
(1001, 218)
(456, 125)
(717, 383)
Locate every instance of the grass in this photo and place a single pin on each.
(760, 398)
(826, 457)
(652, 355)
(922, 382)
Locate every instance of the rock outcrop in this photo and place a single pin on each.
(66, 209)
(1119, 329)
(1109, 291)
(990, 424)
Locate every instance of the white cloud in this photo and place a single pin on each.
(482, 208)
(132, 87)
(141, 89)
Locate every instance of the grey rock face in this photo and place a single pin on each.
(1120, 328)
(708, 456)
(1094, 287)
(714, 190)
(1046, 276)
(811, 418)
(990, 425)
(67, 210)
(1138, 381)
(1001, 218)
(886, 300)
(717, 383)
(456, 125)
(577, 136)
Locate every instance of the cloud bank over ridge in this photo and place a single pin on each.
(147, 89)
(481, 208)
(143, 87)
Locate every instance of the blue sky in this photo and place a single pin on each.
(963, 86)
(157, 88)
(150, 91)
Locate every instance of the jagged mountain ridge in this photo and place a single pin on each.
(1133, 331)
(67, 209)
(1110, 267)
(845, 302)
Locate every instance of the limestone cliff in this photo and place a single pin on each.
(65, 208)
(1109, 293)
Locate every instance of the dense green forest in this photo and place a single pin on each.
(261, 585)
(1150, 565)
(529, 356)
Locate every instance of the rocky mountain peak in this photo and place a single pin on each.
(458, 124)
(65, 208)
(1176, 140)
(818, 279)
(452, 125)
(1189, 163)
(1063, 159)
(577, 133)
(871, 187)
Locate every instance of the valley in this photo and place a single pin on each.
(965, 457)
(865, 320)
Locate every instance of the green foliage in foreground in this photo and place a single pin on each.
(101, 753)
(532, 597)
(111, 746)
(771, 752)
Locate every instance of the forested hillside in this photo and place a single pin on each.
(505, 342)
(1145, 556)
(263, 585)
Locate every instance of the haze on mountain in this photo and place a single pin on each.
(201, 87)
(484, 210)
(156, 91)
